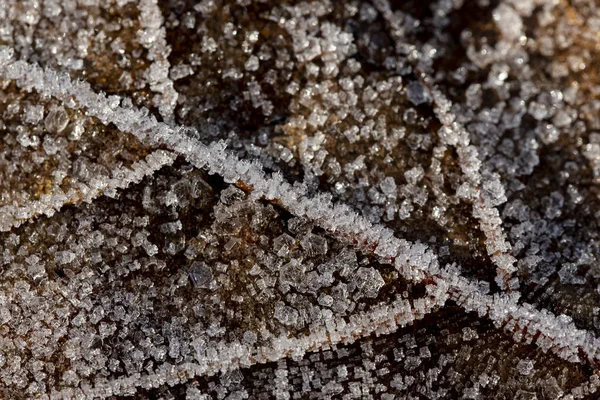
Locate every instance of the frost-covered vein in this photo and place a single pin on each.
(484, 194)
(13, 215)
(414, 260)
(223, 356)
(340, 220)
(153, 38)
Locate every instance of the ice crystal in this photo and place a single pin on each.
(306, 199)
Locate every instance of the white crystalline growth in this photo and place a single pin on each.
(201, 275)
(508, 21)
(285, 314)
(56, 120)
(525, 367)
(321, 51)
(319, 209)
(366, 282)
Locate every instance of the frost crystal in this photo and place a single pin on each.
(56, 120)
(201, 275)
(285, 314)
(366, 282)
(417, 93)
(306, 199)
